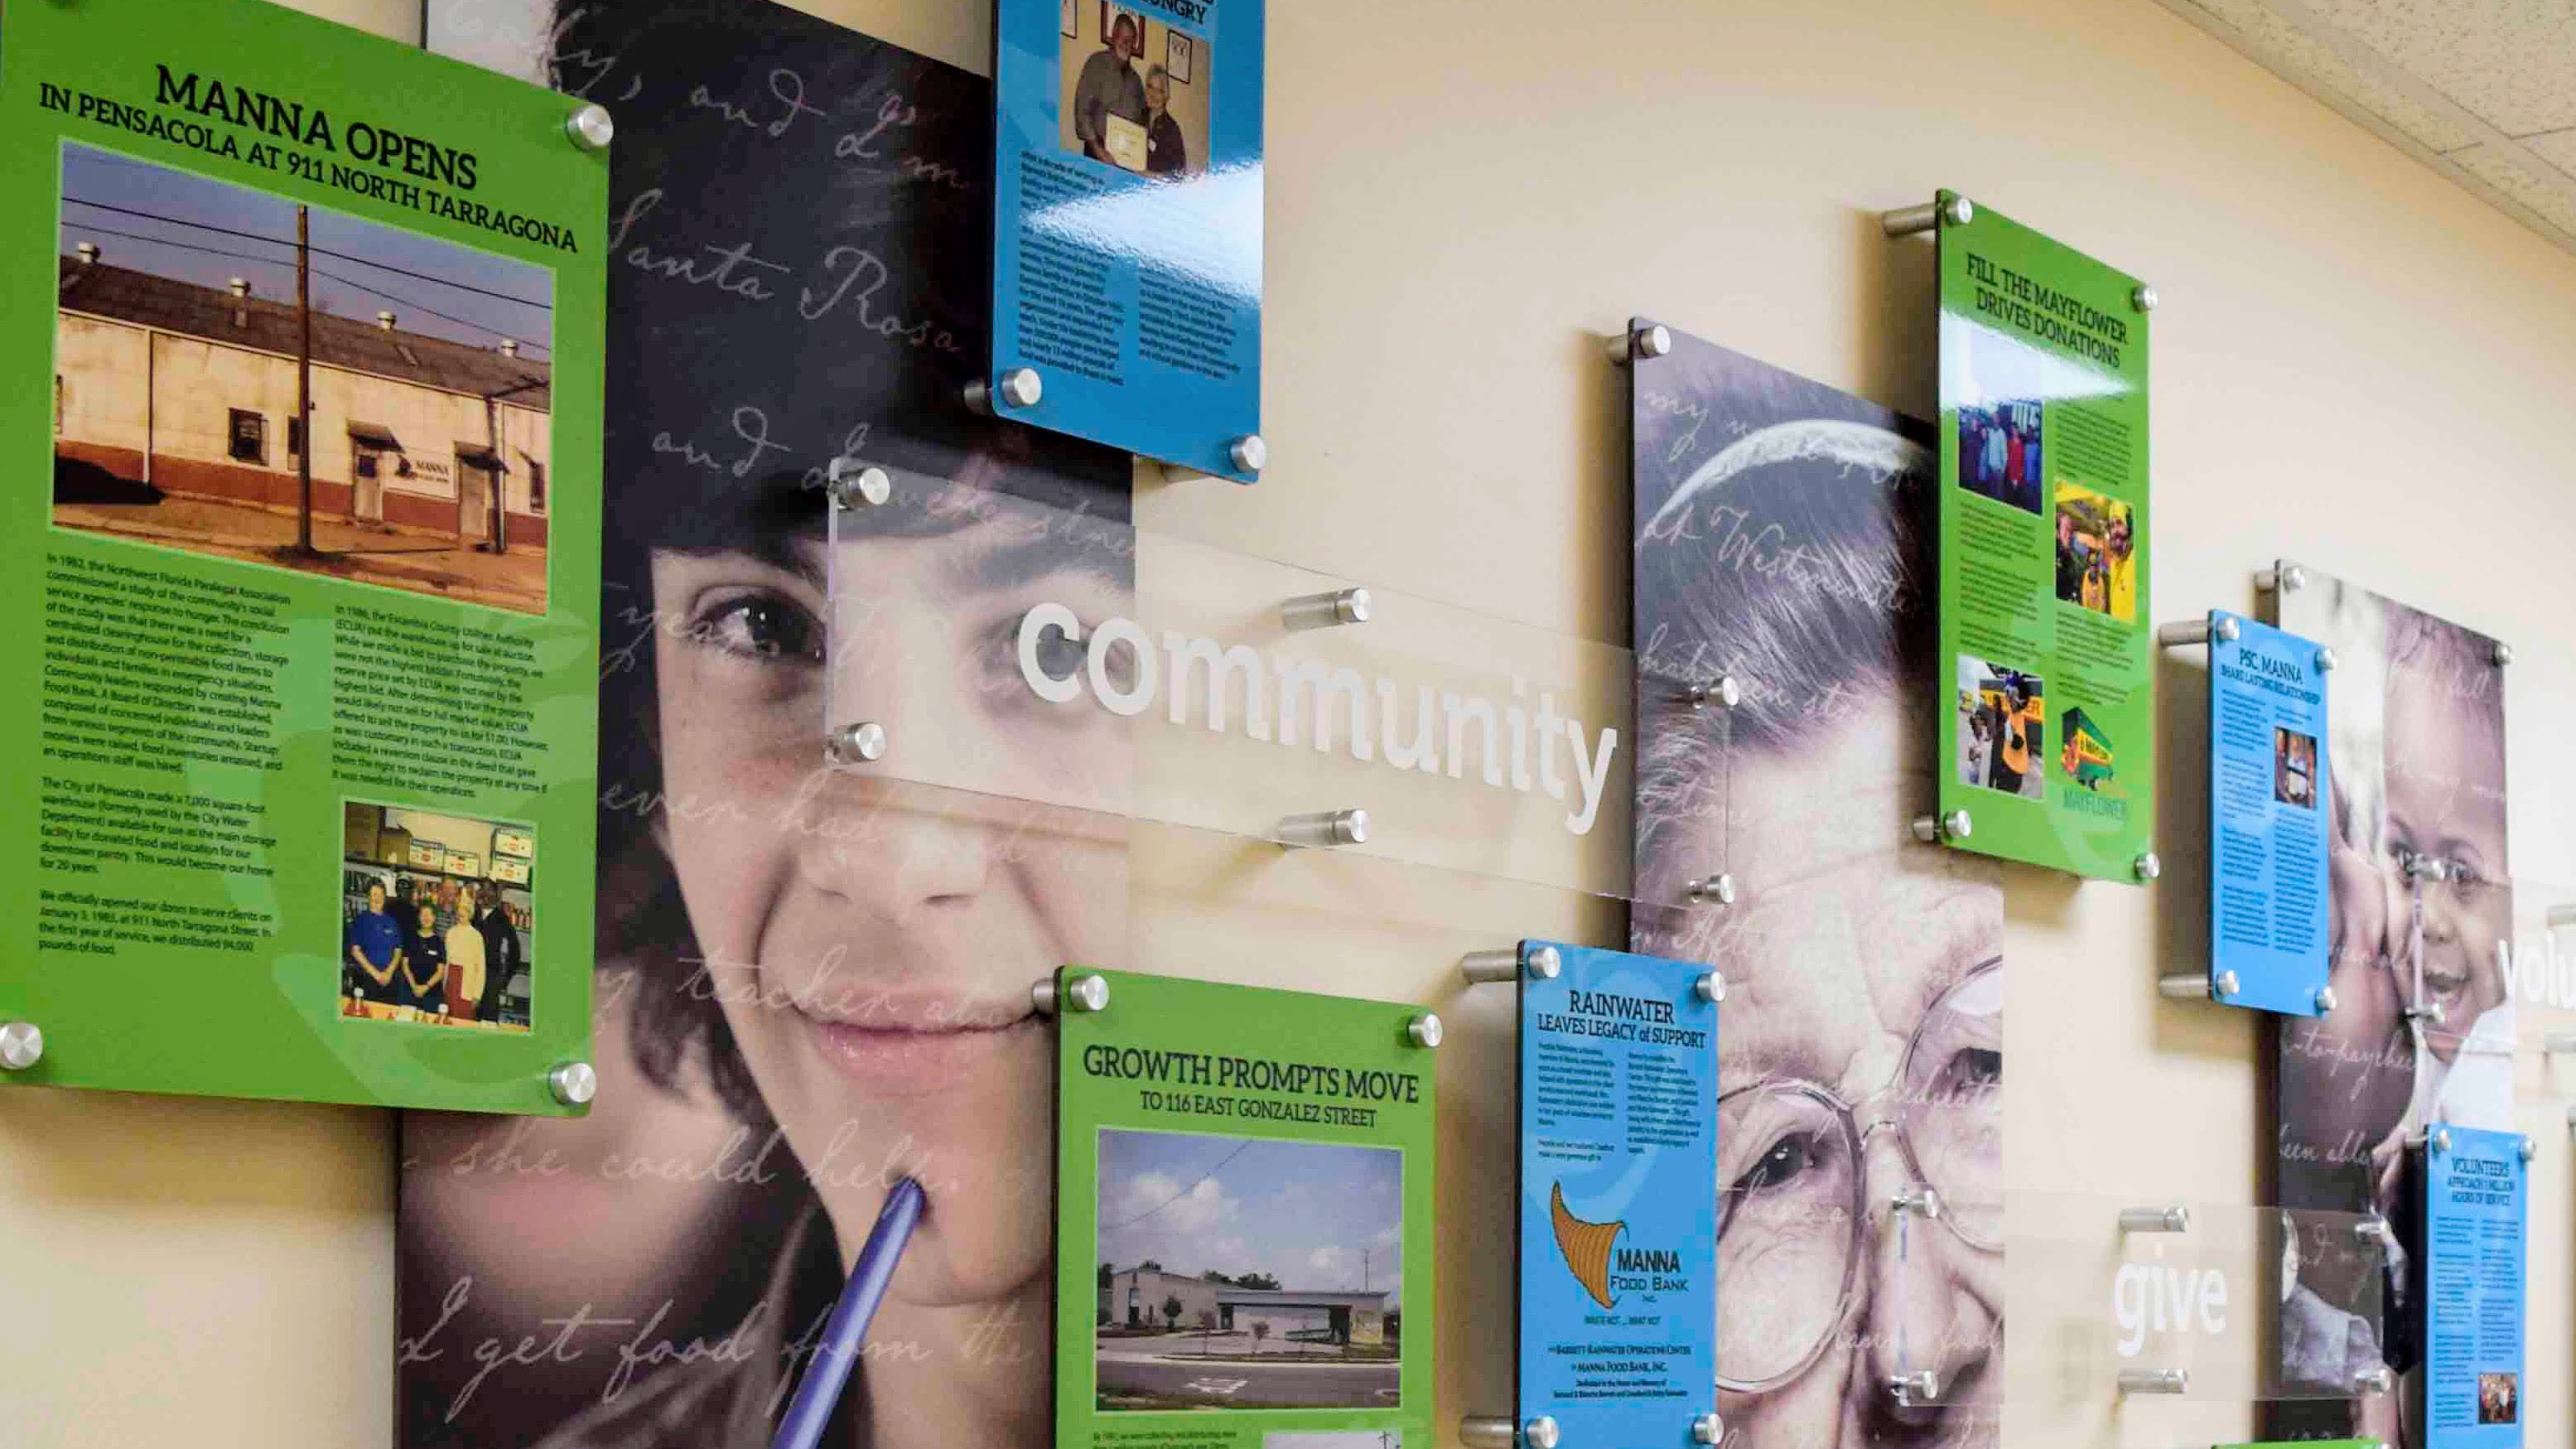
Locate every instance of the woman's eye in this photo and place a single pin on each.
(1970, 1071)
(761, 626)
(1787, 1159)
(1058, 656)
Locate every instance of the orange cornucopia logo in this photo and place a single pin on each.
(1586, 1246)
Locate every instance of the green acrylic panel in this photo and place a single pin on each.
(2047, 705)
(1278, 1139)
(226, 725)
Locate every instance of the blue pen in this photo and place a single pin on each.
(820, 1392)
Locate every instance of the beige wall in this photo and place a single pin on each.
(2356, 364)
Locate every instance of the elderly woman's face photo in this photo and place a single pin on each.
(874, 941)
(1863, 1058)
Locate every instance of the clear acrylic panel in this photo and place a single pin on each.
(2203, 1301)
(1074, 663)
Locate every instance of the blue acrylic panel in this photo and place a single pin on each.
(2476, 1187)
(1618, 1171)
(2271, 817)
(1127, 234)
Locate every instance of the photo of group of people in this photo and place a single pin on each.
(1135, 92)
(2294, 768)
(2002, 722)
(426, 936)
(2097, 561)
(1999, 452)
(2496, 1398)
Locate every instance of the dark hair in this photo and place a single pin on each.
(1127, 22)
(853, 334)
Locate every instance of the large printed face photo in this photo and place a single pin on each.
(2422, 1031)
(1863, 1054)
(813, 977)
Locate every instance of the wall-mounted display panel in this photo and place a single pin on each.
(2269, 820)
(308, 328)
(1783, 585)
(2470, 1287)
(2047, 690)
(1244, 1235)
(1127, 225)
(738, 952)
(1620, 1130)
(2428, 950)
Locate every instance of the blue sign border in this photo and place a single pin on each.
(2475, 1181)
(1203, 229)
(1652, 1201)
(2268, 855)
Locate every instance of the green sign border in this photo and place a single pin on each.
(267, 1024)
(2046, 832)
(1183, 1015)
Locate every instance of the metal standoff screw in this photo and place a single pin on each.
(2325, 999)
(1540, 1433)
(2186, 986)
(1723, 689)
(1424, 1030)
(2143, 297)
(1710, 987)
(1919, 1387)
(2149, 866)
(22, 1045)
(2225, 984)
(861, 743)
(1326, 828)
(1910, 220)
(1249, 453)
(2439, 1139)
(2325, 660)
(1323, 611)
(1917, 1199)
(2373, 1380)
(1543, 962)
(573, 1083)
(1087, 994)
(2503, 653)
(1486, 967)
(2528, 1148)
(1953, 826)
(1652, 340)
(1707, 1429)
(590, 128)
(1718, 889)
(1488, 1431)
(2196, 631)
(853, 484)
(2287, 579)
(1021, 387)
(2154, 1381)
(2155, 1220)
(2226, 629)
(2375, 1229)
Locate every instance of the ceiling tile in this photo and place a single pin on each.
(2510, 62)
(2551, 197)
(2273, 41)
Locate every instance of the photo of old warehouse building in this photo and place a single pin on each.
(176, 397)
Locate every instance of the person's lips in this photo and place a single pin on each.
(917, 1047)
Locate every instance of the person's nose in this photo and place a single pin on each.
(1918, 1316)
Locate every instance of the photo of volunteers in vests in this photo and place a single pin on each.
(2002, 714)
(2097, 558)
(1135, 90)
(1999, 453)
(434, 919)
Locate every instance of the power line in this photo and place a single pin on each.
(371, 291)
(1184, 1192)
(318, 251)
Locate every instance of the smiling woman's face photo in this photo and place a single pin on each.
(873, 941)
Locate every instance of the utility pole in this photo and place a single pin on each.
(1364, 1267)
(304, 380)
